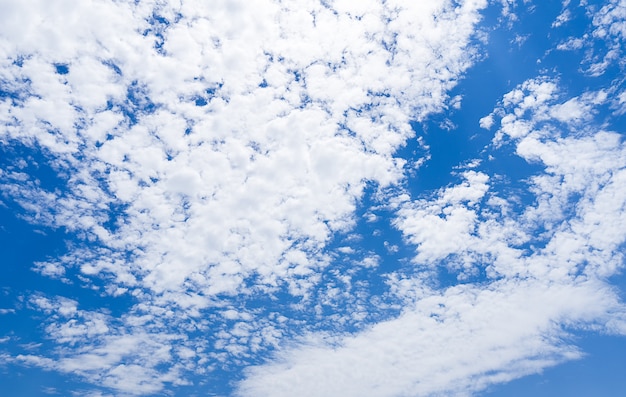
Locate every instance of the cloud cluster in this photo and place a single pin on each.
(212, 147)
(454, 343)
(604, 38)
(204, 155)
(525, 279)
(209, 159)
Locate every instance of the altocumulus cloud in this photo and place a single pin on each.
(207, 155)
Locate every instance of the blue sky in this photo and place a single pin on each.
(312, 198)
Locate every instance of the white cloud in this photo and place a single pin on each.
(205, 151)
(564, 17)
(545, 271)
(486, 122)
(604, 38)
(571, 44)
(207, 154)
(445, 225)
(451, 344)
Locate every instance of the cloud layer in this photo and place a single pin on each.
(208, 158)
(527, 279)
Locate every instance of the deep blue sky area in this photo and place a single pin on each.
(191, 204)
(599, 373)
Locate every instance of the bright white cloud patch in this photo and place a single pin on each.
(450, 344)
(242, 144)
(211, 160)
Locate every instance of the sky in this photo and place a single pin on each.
(267, 198)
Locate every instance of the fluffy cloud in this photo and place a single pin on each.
(236, 149)
(208, 157)
(524, 279)
(205, 154)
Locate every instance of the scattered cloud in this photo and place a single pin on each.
(207, 152)
(515, 319)
(209, 161)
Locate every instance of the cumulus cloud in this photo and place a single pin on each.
(207, 151)
(208, 159)
(524, 280)
(198, 169)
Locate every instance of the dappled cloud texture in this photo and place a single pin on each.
(207, 154)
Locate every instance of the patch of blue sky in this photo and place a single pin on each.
(31, 162)
(62, 68)
(208, 95)
(24, 245)
(16, 90)
(20, 380)
(137, 103)
(158, 27)
(599, 373)
(22, 328)
(454, 137)
(367, 255)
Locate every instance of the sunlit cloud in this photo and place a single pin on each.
(238, 187)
